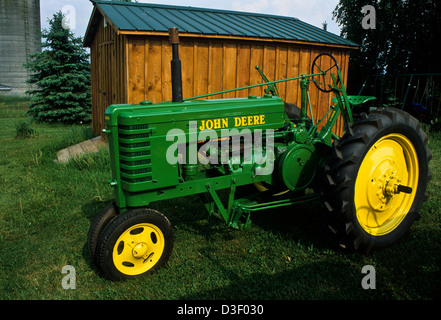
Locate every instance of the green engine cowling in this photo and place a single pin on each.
(167, 150)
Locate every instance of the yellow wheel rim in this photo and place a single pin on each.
(392, 161)
(138, 249)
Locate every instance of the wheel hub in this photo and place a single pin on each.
(387, 180)
(383, 189)
(391, 187)
(139, 250)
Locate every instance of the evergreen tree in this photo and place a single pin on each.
(61, 75)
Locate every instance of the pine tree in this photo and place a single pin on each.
(61, 77)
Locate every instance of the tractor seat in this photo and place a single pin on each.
(359, 100)
(355, 101)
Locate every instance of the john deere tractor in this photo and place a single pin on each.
(372, 180)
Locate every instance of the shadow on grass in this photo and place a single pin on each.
(317, 280)
(402, 272)
(305, 223)
(226, 269)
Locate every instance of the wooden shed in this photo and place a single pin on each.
(130, 53)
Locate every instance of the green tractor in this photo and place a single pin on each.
(372, 180)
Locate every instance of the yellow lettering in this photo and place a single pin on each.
(246, 120)
(216, 123)
(238, 122)
(202, 126)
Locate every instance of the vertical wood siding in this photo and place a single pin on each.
(130, 69)
(108, 73)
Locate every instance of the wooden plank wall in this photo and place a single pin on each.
(214, 65)
(108, 73)
(130, 69)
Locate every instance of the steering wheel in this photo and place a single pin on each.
(324, 63)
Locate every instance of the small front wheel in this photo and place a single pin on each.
(97, 226)
(135, 243)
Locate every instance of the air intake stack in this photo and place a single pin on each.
(176, 73)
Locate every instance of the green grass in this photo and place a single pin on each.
(46, 209)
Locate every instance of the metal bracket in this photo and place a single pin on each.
(232, 214)
(272, 88)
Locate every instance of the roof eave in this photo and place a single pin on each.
(94, 21)
(235, 37)
(91, 27)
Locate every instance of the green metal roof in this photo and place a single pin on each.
(155, 17)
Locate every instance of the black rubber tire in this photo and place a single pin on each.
(340, 173)
(293, 112)
(118, 226)
(97, 226)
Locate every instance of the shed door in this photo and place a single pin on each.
(107, 56)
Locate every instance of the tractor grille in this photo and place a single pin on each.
(134, 153)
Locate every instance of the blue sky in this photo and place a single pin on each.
(314, 12)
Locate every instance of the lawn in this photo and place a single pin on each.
(46, 209)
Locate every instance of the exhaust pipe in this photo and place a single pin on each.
(176, 73)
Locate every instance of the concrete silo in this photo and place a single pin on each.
(19, 36)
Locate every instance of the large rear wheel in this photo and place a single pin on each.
(376, 181)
